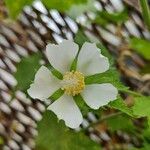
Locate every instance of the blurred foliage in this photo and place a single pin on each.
(146, 68)
(54, 135)
(61, 5)
(141, 106)
(104, 17)
(15, 7)
(141, 46)
(121, 122)
(26, 70)
(1, 141)
(145, 12)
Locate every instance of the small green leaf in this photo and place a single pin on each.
(120, 105)
(141, 106)
(141, 46)
(26, 70)
(61, 5)
(15, 7)
(53, 135)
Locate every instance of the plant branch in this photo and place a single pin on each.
(132, 92)
(105, 118)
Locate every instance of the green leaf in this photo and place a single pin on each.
(141, 46)
(110, 76)
(120, 105)
(121, 122)
(26, 70)
(61, 5)
(104, 17)
(53, 135)
(15, 7)
(141, 106)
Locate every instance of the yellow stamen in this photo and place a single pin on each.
(73, 83)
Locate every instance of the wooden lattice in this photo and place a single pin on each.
(36, 27)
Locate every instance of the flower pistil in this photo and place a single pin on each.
(73, 83)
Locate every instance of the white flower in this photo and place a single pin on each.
(89, 62)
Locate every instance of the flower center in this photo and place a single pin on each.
(73, 83)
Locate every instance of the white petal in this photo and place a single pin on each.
(97, 95)
(90, 61)
(66, 109)
(45, 84)
(61, 56)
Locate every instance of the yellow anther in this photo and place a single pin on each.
(73, 83)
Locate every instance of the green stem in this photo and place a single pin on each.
(145, 12)
(105, 118)
(132, 92)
